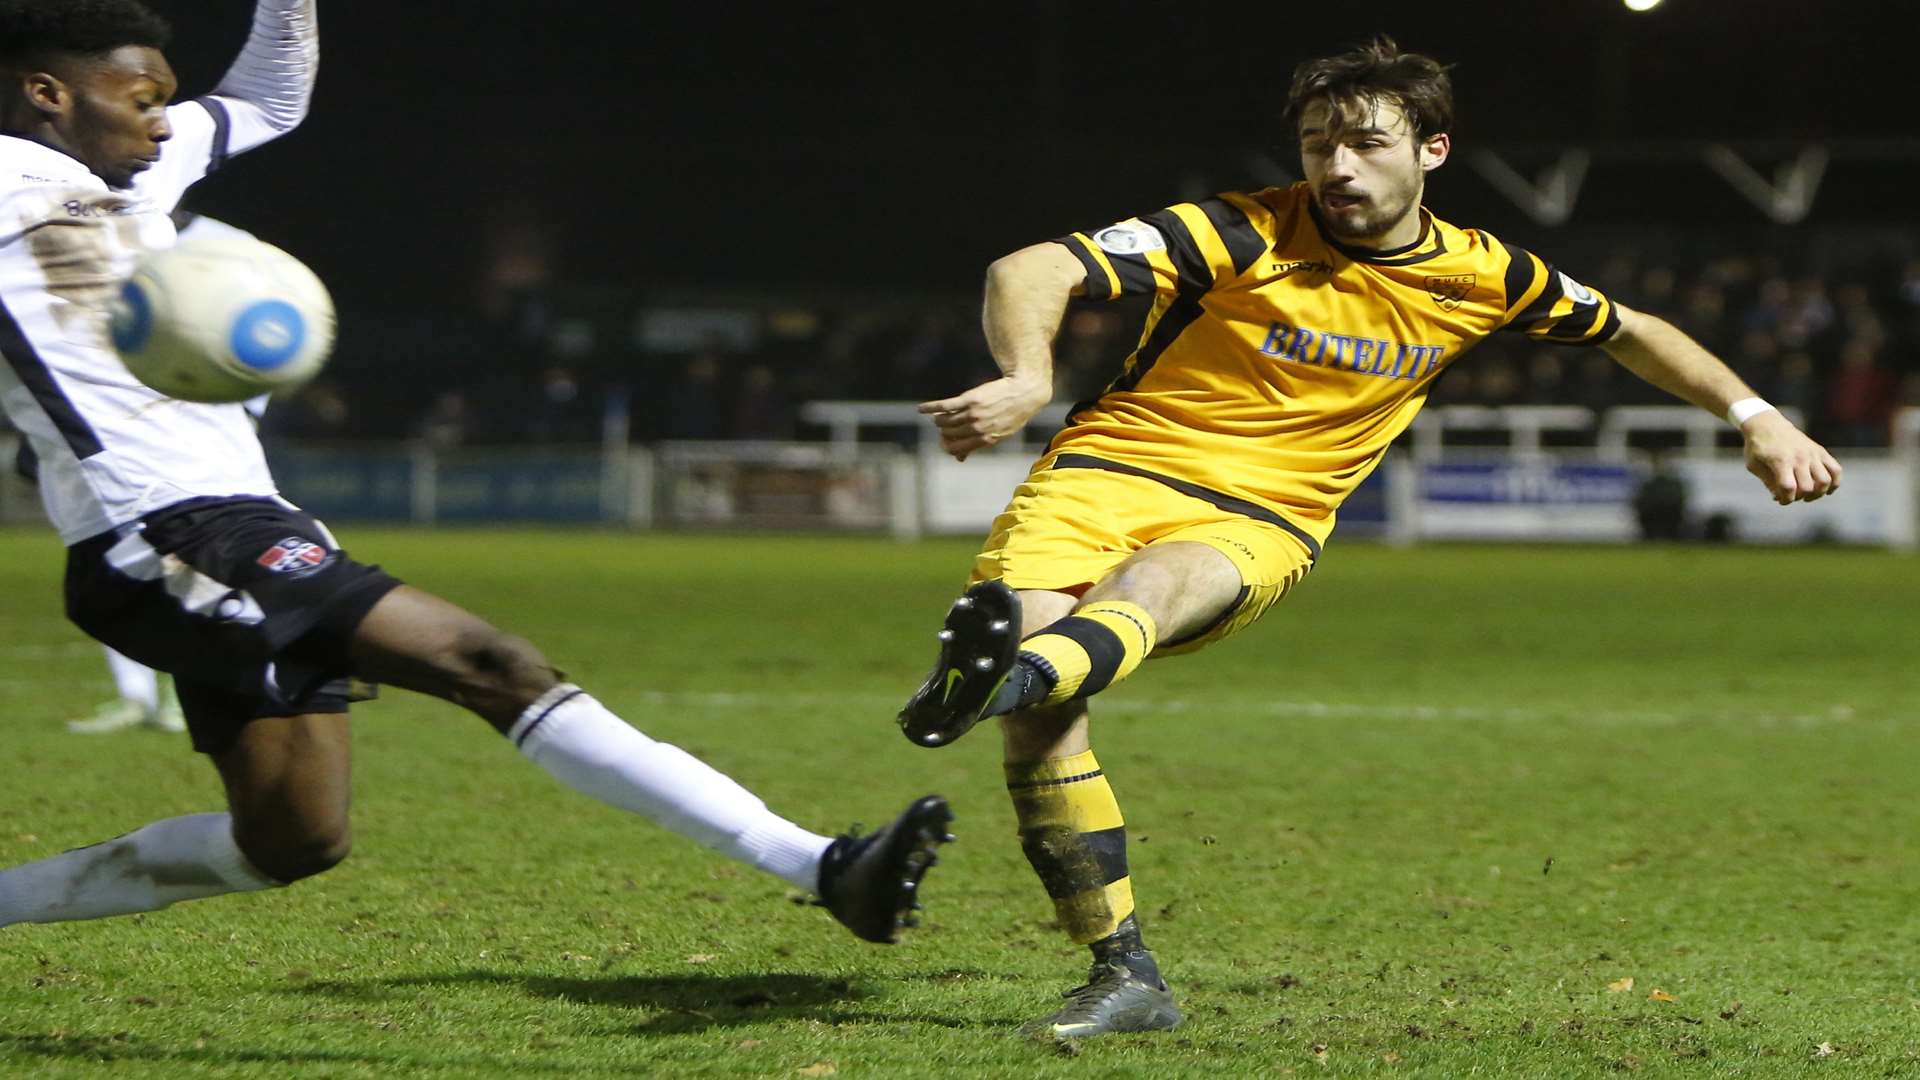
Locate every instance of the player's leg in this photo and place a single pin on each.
(1109, 569)
(287, 793)
(1199, 585)
(288, 781)
(1071, 826)
(420, 642)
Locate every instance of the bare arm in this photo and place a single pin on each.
(1026, 297)
(1792, 466)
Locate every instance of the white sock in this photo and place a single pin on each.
(136, 681)
(596, 753)
(182, 858)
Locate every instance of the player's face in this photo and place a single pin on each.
(117, 116)
(1367, 171)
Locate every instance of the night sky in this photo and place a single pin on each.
(746, 145)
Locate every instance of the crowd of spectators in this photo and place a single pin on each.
(1843, 348)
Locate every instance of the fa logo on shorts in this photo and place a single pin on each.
(295, 556)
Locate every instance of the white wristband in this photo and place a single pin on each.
(1746, 409)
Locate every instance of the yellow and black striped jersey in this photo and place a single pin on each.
(1277, 364)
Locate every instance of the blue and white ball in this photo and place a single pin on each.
(223, 318)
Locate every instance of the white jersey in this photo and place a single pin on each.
(111, 449)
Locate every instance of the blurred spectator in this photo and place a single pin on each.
(1094, 341)
(317, 412)
(1546, 382)
(1795, 386)
(1909, 287)
(560, 412)
(1497, 381)
(1656, 294)
(1660, 503)
(1704, 316)
(446, 424)
(1859, 396)
(1595, 385)
(1768, 312)
(1755, 358)
(1854, 314)
(760, 411)
(1807, 314)
(930, 350)
(693, 404)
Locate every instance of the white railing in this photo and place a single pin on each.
(872, 485)
(1703, 431)
(1524, 424)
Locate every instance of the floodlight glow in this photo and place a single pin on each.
(1642, 5)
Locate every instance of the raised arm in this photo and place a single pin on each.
(1026, 296)
(1793, 466)
(267, 90)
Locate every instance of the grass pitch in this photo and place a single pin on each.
(1528, 812)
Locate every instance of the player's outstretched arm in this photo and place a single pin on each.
(1793, 466)
(270, 85)
(1027, 294)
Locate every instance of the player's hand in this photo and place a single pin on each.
(986, 414)
(1794, 467)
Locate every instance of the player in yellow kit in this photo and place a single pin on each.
(1294, 334)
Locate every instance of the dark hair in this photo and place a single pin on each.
(1369, 74)
(31, 31)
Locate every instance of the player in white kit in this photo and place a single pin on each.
(183, 556)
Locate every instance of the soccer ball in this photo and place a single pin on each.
(222, 318)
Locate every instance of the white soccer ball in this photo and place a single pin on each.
(223, 318)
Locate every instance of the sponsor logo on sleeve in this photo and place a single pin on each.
(1448, 290)
(1577, 292)
(1130, 238)
(295, 557)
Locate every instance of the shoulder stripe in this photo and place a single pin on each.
(1189, 263)
(1523, 270)
(222, 132)
(1542, 293)
(1244, 243)
(1102, 283)
(39, 381)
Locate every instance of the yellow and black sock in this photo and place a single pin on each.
(1073, 835)
(1079, 656)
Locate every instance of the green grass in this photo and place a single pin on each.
(1416, 823)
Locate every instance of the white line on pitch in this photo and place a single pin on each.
(1838, 714)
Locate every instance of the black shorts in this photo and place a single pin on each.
(249, 603)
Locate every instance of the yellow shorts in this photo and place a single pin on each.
(1068, 527)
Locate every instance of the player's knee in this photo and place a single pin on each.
(1148, 583)
(499, 663)
(290, 853)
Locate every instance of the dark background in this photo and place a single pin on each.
(457, 148)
